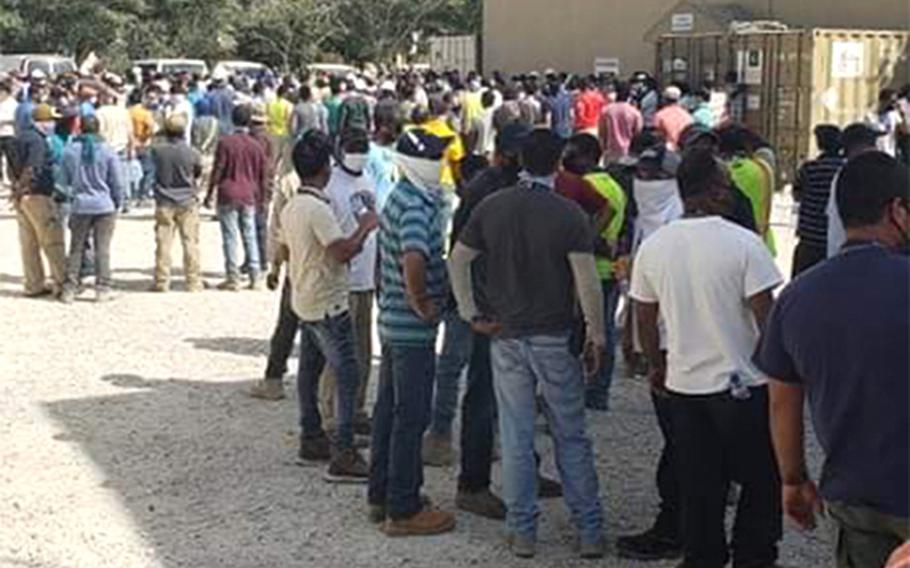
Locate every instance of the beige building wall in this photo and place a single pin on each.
(525, 35)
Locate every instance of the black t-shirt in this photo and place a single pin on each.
(841, 331)
(525, 235)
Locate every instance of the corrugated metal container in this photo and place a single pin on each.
(454, 52)
(794, 80)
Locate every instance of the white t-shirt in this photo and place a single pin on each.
(702, 272)
(344, 191)
(319, 283)
(8, 117)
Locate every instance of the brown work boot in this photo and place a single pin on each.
(229, 286)
(195, 287)
(425, 523)
(482, 503)
(437, 450)
(160, 287)
(348, 466)
(267, 389)
(377, 513)
(317, 448)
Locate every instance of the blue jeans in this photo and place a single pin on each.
(599, 392)
(147, 182)
(400, 417)
(456, 352)
(238, 222)
(328, 342)
(519, 365)
(262, 229)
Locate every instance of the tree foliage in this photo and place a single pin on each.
(283, 33)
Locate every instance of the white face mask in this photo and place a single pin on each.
(355, 162)
(425, 174)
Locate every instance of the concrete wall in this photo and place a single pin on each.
(524, 35)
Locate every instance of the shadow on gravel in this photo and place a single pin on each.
(206, 473)
(236, 345)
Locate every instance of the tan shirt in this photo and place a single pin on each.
(115, 125)
(319, 284)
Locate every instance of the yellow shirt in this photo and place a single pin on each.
(455, 152)
(278, 114)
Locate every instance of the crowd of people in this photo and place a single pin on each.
(532, 219)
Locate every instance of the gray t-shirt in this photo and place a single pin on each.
(525, 235)
(311, 116)
(177, 166)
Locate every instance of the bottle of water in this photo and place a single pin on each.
(738, 389)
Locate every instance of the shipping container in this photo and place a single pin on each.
(449, 53)
(793, 80)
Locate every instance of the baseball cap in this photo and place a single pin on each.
(861, 134)
(510, 139)
(258, 115)
(697, 132)
(418, 143)
(45, 113)
(672, 93)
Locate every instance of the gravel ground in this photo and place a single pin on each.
(127, 441)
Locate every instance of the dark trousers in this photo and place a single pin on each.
(866, 537)
(807, 255)
(721, 439)
(400, 417)
(667, 524)
(478, 413)
(329, 341)
(7, 149)
(282, 342)
(101, 229)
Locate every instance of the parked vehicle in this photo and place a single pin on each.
(251, 69)
(332, 69)
(171, 66)
(26, 63)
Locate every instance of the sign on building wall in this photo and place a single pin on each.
(606, 65)
(749, 66)
(847, 59)
(681, 23)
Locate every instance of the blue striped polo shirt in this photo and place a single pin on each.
(411, 220)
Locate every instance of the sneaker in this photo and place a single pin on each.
(102, 296)
(67, 297)
(649, 545)
(522, 546)
(437, 450)
(425, 523)
(315, 449)
(348, 466)
(481, 503)
(229, 286)
(547, 488)
(267, 389)
(159, 287)
(592, 550)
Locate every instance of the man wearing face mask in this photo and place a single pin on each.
(412, 291)
(851, 363)
(351, 193)
(40, 226)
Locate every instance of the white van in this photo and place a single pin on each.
(25, 63)
(173, 66)
(332, 69)
(250, 69)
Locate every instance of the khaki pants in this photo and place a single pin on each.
(866, 537)
(185, 220)
(362, 322)
(41, 230)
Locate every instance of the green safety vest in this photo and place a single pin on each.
(607, 188)
(750, 178)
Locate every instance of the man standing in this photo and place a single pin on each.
(7, 131)
(280, 115)
(813, 189)
(538, 253)
(116, 129)
(240, 176)
(93, 171)
(412, 290)
(619, 124)
(672, 119)
(711, 282)
(588, 107)
(851, 362)
(318, 257)
(351, 192)
(177, 169)
(40, 225)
